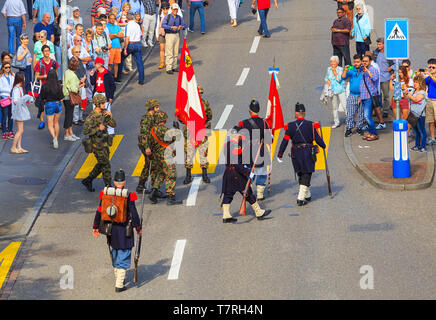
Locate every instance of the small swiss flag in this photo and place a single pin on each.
(274, 114)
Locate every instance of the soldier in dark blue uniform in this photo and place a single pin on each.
(258, 130)
(118, 237)
(302, 133)
(235, 179)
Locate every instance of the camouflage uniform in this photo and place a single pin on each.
(100, 143)
(163, 169)
(202, 147)
(147, 122)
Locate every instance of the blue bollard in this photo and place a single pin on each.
(401, 161)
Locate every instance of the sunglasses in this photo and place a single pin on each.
(6, 67)
(432, 67)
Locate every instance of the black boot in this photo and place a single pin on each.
(153, 196)
(205, 177)
(188, 178)
(141, 187)
(87, 182)
(267, 212)
(171, 200)
(160, 195)
(229, 220)
(301, 202)
(120, 289)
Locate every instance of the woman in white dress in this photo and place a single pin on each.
(20, 112)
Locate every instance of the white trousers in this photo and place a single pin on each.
(233, 8)
(148, 25)
(338, 101)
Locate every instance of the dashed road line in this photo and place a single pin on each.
(177, 260)
(192, 197)
(255, 44)
(243, 76)
(224, 117)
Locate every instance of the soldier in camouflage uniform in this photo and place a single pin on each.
(163, 168)
(95, 127)
(147, 122)
(202, 147)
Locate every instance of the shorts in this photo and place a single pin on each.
(115, 56)
(52, 108)
(430, 111)
(161, 39)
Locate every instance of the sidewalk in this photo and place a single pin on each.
(26, 180)
(373, 160)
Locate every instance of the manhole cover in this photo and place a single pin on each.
(27, 181)
(389, 159)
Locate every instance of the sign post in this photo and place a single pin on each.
(397, 48)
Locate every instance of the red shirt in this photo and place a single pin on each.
(263, 4)
(45, 68)
(100, 81)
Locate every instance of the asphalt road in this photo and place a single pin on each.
(317, 254)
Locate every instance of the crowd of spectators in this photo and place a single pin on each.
(364, 87)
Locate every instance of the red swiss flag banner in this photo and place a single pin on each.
(274, 114)
(189, 107)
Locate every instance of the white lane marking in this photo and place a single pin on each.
(177, 260)
(258, 16)
(243, 76)
(224, 117)
(255, 44)
(192, 197)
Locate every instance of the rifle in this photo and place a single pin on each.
(243, 208)
(326, 166)
(138, 241)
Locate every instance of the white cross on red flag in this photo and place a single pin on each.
(274, 114)
(189, 107)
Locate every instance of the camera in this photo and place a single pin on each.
(253, 11)
(205, 3)
(105, 49)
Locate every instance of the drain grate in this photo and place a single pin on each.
(28, 181)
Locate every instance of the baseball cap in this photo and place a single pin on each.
(99, 60)
(101, 10)
(175, 6)
(75, 8)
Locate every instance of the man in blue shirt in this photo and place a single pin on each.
(44, 25)
(430, 109)
(353, 101)
(115, 34)
(385, 73)
(44, 6)
(172, 24)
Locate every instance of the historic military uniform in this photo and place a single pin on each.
(202, 147)
(302, 133)
(235, 179)
(164, 169)
(257, 131)
(118, 227)
(101, 141)
(147, 122)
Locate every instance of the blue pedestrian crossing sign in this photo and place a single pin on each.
(397, 38)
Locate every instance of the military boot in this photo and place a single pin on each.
(260, 213)
(227, 217)
(260, 193)
(160, 195)
(171, 200)
(87, 182)
(204, 175)
(153, 196)
(141, 187)
(301, 201)
(119, 284)
(188, 178)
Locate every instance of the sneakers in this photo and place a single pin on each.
(5, 136)
(335, 126)
(348, 133)
(431, 141)
(55, 143)
(145, 44)
(415, 148)
(360, 132)
(11, 135)
(422, 150)
(381, 126)
(190, 30)
(69, 138)
(41, 125)
(150, 43)
(75, 137)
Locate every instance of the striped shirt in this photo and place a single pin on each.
(372, 84)
(100, 4)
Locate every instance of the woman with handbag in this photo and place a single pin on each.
(404, 102)
(52, 95)
(23, 60)
(418, 101)
(71, 87)
(361, 30)
(333, 79)
(160, 34)
(20, 112)
(6, 84)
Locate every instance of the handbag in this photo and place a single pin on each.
(19, 64)
(6, 102)
(412, 119)
(75, 98)
(367, 41)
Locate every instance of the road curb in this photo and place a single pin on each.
(368, 175)
(35, 211)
